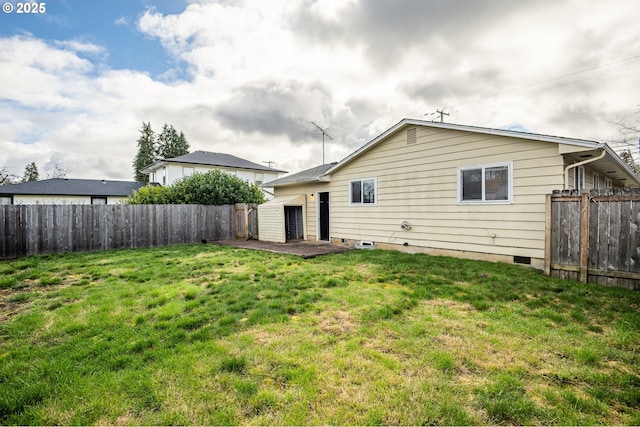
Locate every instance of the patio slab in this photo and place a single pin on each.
(302, 249)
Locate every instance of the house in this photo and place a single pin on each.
(68, 191)
(167, 171)
(443, 189)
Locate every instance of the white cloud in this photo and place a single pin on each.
(259, 70)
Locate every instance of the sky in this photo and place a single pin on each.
(247, 78)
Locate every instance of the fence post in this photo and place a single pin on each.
(547, 236)
(584, 237)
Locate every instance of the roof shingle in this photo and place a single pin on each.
(72, 187)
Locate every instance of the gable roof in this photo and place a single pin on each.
(72, 187)
(309, 175)
(209, 158)
(611, 159)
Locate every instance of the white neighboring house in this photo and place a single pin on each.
(57, 191)
(167, 171)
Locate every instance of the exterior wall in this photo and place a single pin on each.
(589, 178)
(175, 172)
(311, 206)
(271, 223)
(61, 200)
(418, 183)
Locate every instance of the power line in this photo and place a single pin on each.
(553, 79)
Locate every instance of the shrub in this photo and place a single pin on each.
(214, 187)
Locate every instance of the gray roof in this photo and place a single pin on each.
(309, 175)
(72, 187)
(215, 159)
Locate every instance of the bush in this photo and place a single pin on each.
(214, 187)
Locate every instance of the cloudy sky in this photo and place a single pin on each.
(248, 77)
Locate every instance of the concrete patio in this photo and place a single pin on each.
(302, 249)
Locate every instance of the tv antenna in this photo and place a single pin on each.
(327, 131)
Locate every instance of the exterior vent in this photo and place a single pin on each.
(364, 244)
(411, 135)
(526, 260)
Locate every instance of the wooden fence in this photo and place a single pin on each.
(245, 219)
(594, 237)
(43, 229)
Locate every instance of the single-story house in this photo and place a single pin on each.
(58, 191)
(167, 171)
(443, 189)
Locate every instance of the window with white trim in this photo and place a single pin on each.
(578, 178)
(485, 184)
(596, 181)
(608, 183)
(362, 191)
(187, 171)
(96, 200)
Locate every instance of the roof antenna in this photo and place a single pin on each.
(325, 131)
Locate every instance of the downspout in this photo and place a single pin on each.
(584, 162)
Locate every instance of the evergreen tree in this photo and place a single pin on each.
(31, 173)
(146, 152)
(171, 144)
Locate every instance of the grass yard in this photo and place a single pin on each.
(207, 334)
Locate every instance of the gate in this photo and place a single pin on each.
(245, 221)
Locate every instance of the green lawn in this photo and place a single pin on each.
(207, 334)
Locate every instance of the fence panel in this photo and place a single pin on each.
(43, 229)
(595, 237)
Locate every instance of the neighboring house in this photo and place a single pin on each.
(58, 191)
(443, 189)
(167, 171)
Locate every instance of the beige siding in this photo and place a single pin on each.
(271, 223)
(418, 183)
(309, 191)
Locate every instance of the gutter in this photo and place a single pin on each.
(584, 162)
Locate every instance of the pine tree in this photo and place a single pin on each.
(146, 152)
(170, 144)
(31, 173)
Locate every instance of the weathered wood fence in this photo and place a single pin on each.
(245, 219)
(594, 237)
(43, 229)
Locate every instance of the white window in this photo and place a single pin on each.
(578, 178)
(98, 200)
(259, 178)
(153, 177)
(6, 200)
(187, 171)
(608, 183)
(596, 181)
(164, 176)
(485, 184)
(362, 191)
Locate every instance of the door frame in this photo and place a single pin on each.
(319, 216)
